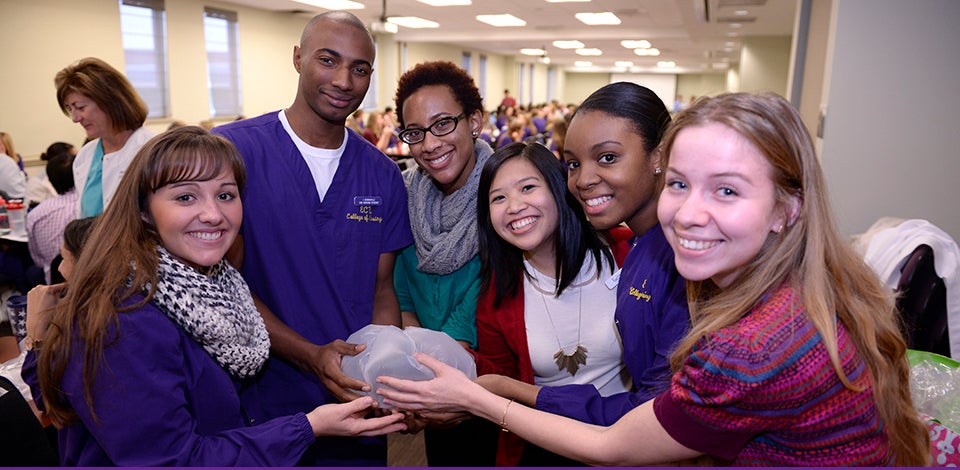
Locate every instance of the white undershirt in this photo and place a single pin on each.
(323, 163)
(597, 332)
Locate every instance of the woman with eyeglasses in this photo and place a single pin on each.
(437, 279)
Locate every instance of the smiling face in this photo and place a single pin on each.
(609, 172)
(523, 211)
(448, 159)
(197, 220)
(84, 111)
(334, 60)
(719, 203)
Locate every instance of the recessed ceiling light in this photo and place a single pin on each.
(445, 3)
(333, 4)
(413, 22)
(568, 44)
(501, 20)
(667, 64)
(632, 44)
(595, 19)
(589, 51)
(653, 52)
(623, 63)
(532, 51)
(736, 25)
(729, 44)
(732, 34)
(738, 12)
(583, 63)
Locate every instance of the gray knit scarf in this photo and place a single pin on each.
(444, 227)
(217, 311)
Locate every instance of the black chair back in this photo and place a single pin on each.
(922, 302)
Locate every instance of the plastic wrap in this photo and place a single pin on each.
(390, 352)
(935, 387)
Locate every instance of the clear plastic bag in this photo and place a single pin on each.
(935, 387)
(390, 352)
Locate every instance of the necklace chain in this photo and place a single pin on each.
(571, 362)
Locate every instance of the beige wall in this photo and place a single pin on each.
(706, 84)
(580, 85)
(764, 64)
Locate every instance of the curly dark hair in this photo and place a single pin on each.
(439, 73)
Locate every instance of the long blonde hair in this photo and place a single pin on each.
(119, 259)
(810, 254)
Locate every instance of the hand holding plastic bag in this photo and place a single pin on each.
(390, 352)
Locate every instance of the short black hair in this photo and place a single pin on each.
(60, 172)
(447, 73)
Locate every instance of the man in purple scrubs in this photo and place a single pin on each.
(324, 214)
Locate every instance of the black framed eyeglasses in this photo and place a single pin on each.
(443, 126)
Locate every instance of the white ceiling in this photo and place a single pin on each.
(698, 35)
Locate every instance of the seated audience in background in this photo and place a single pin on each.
(794, 356)
(142, 360)
(46, 222)
(13, 181)
(378, 130)
(39, 188)
(102, 100)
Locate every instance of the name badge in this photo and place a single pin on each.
(613, 281)
(367, 200)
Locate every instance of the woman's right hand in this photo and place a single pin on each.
(40, 302)
(449, 391)
(347, 419)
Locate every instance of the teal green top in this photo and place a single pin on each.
(446, 303)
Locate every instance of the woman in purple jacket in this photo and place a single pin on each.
(141, 362)
(614, 169)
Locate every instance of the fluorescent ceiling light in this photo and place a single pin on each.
(445, 3)
(589, 51)
(666, 64)
(532, 51)
(333, 4)
(568, 44)
(623, 63)
(652, 52)
(583, 63)
(413, 22)
(741, 13)
(595, 19)
(501, 20)
(631, 44)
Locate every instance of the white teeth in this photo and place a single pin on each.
(523, 223)
(598, 200)
(439, 160)
(697, 245)
(206, 235)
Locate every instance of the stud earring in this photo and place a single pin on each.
(657, 171)
(474, 133)
(778, 229)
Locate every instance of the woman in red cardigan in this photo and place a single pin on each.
(548, 295)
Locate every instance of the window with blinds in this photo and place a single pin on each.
(220, 30)
(144, 35)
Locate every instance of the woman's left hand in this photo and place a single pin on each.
(448, 392)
